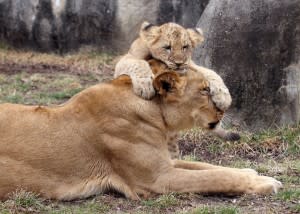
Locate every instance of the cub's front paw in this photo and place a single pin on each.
(264, 185)
(220, 96)
(142, 86)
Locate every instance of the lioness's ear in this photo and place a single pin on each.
(196, 36)
(157, 67)
(149, 32)
(169, 83)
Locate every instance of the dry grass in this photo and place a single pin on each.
(85, 61)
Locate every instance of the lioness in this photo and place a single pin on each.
(106, 137)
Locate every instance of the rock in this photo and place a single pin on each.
(255, 46)
(183, 12)
(16, 21)
(130, 15)
(86, 22)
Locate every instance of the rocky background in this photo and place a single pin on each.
(254, 45)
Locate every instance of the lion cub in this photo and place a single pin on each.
(173, 45)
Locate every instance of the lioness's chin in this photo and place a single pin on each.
(202, 126)
(209, 126)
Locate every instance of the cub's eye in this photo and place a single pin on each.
(185, 47)
(205, 91)
(167, 47)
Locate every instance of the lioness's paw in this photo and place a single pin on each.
(220, 96)
(142, 86)
(265, 185)
(232, 136)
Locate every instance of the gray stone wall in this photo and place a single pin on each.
(255, 46)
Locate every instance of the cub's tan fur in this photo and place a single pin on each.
(173, 45)
(106, 137)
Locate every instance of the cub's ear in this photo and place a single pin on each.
(149, 32)
(170, 85)
(196, 36)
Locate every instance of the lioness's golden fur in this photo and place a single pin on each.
(106, 137)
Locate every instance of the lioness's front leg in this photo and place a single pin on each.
(196, 165)
(214, 181)
(220, 93)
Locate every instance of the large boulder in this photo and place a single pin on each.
(255, 46)
(16, 21)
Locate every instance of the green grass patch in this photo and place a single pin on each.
(290, 194)
(214, 148)
(162, 202)
(89, 207)
(288, 179)
(240, 163)
(27, 202)
(42, 89)
(17, 98)
(295, 208)
(64, 94)
(191, 157)
(297, 166)
(3, 210)
(20, 201)
(26, 199)
(215, 210)
(287, 135)
(4, 46)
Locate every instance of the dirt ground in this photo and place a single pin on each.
(49, 79)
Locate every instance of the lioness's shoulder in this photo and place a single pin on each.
(121, 81)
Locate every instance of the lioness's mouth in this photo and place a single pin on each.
(181, 71)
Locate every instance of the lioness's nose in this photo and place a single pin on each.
(220, 114)
(213, 124)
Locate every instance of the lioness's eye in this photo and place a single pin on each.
(205, 91)
(185, 47)
(167, 47)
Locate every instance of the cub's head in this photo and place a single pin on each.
(171, 43)
(186, 99)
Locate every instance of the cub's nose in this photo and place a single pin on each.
(178, 64)
(213, 125)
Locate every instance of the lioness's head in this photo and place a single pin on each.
(187, 98)
(171, 43)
